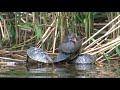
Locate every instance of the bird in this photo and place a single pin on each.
(71, 43)
(69, 49)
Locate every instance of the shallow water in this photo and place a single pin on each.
(108, 70)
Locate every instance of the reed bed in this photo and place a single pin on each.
(105, 48)
(21, 30)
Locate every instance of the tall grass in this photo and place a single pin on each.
(21, 30)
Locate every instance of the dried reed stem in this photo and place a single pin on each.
(106, 53)
(11, 59)
(117, 40)
(55, 36)
(46, 38)
(101, 29)
(106, 48)
(2, 30)
(49, 28)
(97, 40)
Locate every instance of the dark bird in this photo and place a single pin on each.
(69, 48)
(70, 44)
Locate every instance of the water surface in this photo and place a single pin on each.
(107, 70)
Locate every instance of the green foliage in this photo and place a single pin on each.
(25, 25)
(38, 32)
(13, 33)
(117, 71)
(118, 50)
(87, 22)
(107, 57)
(1, 17)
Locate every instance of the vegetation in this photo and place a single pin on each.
(100, 32)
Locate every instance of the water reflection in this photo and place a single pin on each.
(62, 71)
(85, 70)
(85, 66)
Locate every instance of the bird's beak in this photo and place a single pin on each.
(74, 39)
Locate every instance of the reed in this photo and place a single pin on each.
(21, 30)
(104, 49)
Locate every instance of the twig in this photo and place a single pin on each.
(3, 51)
(55, 35)
(101, 29)
(2, 30)
(106, 48)
(46, 32)
(110, 58)
(105, 53)
(105, 45)
(11, 59)
(98, 44)
(46, 37)
(101, 37)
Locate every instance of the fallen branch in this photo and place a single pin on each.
(5, 58)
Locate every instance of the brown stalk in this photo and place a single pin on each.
(101, 30)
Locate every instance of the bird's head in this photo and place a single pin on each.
(72, 37)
